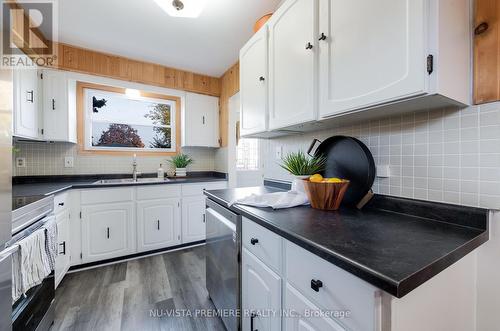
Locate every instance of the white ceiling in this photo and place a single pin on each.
(139, 29)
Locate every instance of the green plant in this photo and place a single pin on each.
(300, 164)
(181, 160)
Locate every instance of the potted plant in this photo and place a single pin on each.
(302, 166)
(180, 162)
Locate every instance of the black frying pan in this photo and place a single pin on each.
(347, 158)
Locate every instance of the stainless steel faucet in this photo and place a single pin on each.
(135, 173)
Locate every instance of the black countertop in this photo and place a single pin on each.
(47, 185)
(394, 244)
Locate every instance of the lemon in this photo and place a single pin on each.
(316, 178)
(334, 180)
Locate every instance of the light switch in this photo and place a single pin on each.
(68, 162)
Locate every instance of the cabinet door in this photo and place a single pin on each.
(253, 84)
(55, 106)
(261, 295)
(201, 121)
(193, 219)
(107, 231)
(292, 62)
(372, 52)
(26, 103)
(158, 224)
(302, 319)
(63, 247)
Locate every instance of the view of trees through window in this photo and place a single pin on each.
(117, 121)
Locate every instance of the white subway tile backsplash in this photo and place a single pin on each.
(450, 155)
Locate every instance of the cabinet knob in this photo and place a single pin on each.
(481, 28)
(322, 36)
(309, 45)
(253, 241)
(61, 204)
(261, 78)
(316, 284)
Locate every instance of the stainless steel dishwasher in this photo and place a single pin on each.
(222, 262)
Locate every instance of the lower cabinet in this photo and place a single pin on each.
(304, 315)
(261, 295)
(193, 219)
(63, 260)
(158, 224)
(107, 231)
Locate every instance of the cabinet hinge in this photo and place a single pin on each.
(81, 255)
(41, 76)
(41, 131)
(430, 64)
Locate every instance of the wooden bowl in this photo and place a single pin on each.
(324, 195)
(261, 21)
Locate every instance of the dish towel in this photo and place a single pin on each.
(275, 200)
(31, 265)
(51, 241)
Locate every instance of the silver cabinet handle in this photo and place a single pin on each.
(29, 96)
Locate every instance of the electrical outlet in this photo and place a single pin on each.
(279, 152)
(21, 162)
(383, 171)
(68, 162)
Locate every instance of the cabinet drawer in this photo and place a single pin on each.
(197, 189)
(107, 195)
(263, 243)
(150, 192)
(61, 202)
(339, 291)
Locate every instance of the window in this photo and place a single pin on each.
(247, 154)
(119, 120)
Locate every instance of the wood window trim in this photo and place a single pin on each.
(80, 88)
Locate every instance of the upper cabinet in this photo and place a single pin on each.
(27, 101)
(44, 107)
(59, 117)
(359, 60)
(200, 121)
(253, 84)
(292, 61)
(370, 52)
(486, 55)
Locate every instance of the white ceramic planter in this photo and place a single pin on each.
(298, 185)
(180, 172)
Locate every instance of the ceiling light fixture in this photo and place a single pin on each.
(182, 8)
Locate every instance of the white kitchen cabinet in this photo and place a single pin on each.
(292, 64)
(63, 258)
(27, 107)
(253, 84)
(107, 231)
(200, 121)
(261, 295)
(303, 319)
(158, 224)
(58, 117)
(378, 52)
(193, 219)
(370, 53)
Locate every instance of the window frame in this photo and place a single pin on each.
(82, 122)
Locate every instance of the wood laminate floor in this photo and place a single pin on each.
(124, 296)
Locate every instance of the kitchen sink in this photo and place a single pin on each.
(130, 180)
